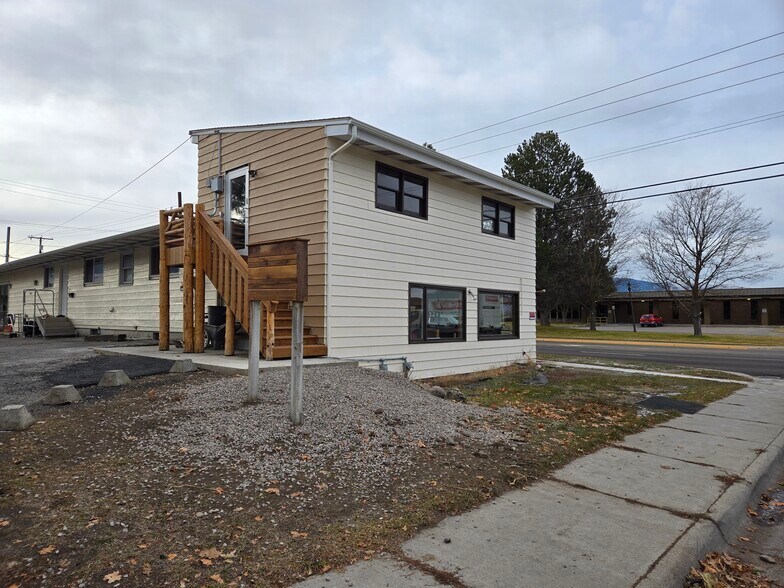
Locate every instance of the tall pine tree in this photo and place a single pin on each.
(572, 240)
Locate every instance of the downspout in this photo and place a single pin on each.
(330, 173)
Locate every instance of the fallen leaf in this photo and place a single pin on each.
(4, 522)
(93, 521)
(142, 546)
(146, 569)
(420, 443)
(211, 553)
(751, 512)
(183, 450)
(132, 561)
(296, 494)
(217, 578)
(47, 550)
(218, 490)
(298, 534)
(273, 491)
(206, 561)
(258, 519)
(304, 457)
(171, 556)
(113, 577)
(326, 568)
(745, 539)
(321, 486)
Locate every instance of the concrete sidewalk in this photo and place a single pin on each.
(636, 514)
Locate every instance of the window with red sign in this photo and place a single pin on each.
(435, 313)
(499, 316)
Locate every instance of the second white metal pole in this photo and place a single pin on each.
(295, 390)
(253, 352)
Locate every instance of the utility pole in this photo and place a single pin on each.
(631, 305)
(41, 240)
(7, 244)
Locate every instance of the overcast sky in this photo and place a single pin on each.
(93, 93)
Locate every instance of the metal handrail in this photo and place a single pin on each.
(37, 300)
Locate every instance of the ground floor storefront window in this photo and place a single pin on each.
(436, 313)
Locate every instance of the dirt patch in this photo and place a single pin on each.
(177, 479)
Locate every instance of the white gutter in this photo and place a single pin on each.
(330, 173)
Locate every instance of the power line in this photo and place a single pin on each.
(153, 166)
(687, 136)
(671, 193)
(598, 106)
(63, 201)
(654, 107)
(594, 93)
(55, 191)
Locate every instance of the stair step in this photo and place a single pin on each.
(308, 351)
(286, 340)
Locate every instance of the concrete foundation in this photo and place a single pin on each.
(114, 378)
(15, 417)
(63, 394)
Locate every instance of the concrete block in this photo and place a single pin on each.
(182, 366)
(114, 378)
(550, 535)
(381, 572)
(62, 394)
(15, 417)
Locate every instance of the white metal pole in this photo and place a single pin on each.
(295, 390)
(253, 352)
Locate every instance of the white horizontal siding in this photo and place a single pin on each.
(376, 255)
(109, 306)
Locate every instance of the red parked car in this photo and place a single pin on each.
(651, 320)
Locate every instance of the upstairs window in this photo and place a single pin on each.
(126, 268)
(93, 270)
(497, 218)
(400, 191)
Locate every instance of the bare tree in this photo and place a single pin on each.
(705, 239)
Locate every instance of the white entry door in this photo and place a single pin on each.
(236, 208)
(63, 284)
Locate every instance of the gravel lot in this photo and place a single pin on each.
(29, 367)
(359, 424)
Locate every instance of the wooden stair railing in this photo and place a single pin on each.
(217, 259)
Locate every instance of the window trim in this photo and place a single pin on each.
(424, 308)
(120, 268)
(399, 199)
(84, 270)
(497, 220)
(516, 334)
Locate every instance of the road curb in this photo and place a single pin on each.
(653, 343)
(726, 517)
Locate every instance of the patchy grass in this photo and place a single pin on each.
(645, 365)
(78, 501)
(653, 335)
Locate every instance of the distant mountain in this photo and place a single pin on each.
(637, 285)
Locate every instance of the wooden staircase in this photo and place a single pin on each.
(198, 241)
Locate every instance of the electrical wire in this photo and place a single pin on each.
(619, 116)
(57, 192)
(614, 86)
(153, 166)
(619, 100)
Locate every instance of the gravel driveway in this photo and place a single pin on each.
(29, 367)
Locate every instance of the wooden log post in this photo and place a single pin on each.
(163, 286)
(198, 331)
(228, 345)
(187, 279)
(253, 353)
(295, 390)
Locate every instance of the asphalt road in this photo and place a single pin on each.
(755, 362)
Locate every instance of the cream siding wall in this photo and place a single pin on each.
(287, 196)
(131, 309)
(378, 253)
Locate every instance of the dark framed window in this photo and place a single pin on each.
(436, 313)
(497, 218)
(400, 191)
(49, 276)
(499, 314)
(155, 263)
(93, 270)
(754, 310)
(727, 310)
(126, 268)
(676, 311)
